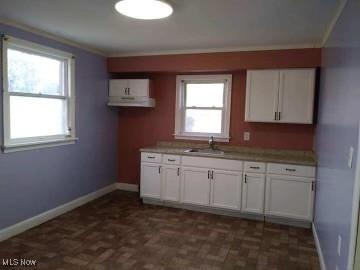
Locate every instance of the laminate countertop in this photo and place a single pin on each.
(307, 158)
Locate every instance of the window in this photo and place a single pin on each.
(38, 95)
(203, 107)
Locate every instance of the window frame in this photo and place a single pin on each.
(68, 85)
(181, 81)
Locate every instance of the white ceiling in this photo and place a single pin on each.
(195, 24)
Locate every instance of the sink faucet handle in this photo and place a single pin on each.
(212, 142)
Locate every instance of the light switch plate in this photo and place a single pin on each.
(339, 245)
(246, 136)
(350, 159)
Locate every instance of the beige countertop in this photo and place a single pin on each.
(307, 158)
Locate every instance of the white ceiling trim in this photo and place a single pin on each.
(218, 50)
(333, 22)
(50, 36)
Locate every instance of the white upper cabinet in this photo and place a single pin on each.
(296, 96)
(280, 96)
(131, 87)
(130, 92)
(262, 87)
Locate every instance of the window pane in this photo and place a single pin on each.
(32, 117)
(29, 73)
(205, 121)
(204, 94)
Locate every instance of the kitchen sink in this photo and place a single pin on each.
(209, 152)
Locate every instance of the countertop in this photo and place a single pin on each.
(306, 158)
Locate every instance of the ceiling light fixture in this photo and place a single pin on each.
(144, 9)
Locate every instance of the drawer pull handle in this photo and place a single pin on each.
(150, 157)
(290, 170)
(254, 167)
(171, 160)
(178, 171)
(245, 178)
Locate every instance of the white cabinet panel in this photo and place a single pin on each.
(253, 193)
(118, 88)
(262, 87)
(289, 197)
(213, 163)
(172, 159)
(195, 186)
(151, 157)
(139, 87)
(296, 96)
(150, 182)
(226, 189)
(293, 170)
(171, 183)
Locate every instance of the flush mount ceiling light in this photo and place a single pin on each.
(144, 9)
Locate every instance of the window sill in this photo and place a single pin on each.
(201, 138)
(37, 145)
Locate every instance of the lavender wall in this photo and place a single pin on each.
(337, 130)
(34, 181)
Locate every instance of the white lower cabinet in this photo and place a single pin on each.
(171, 183)
(226, 189)
(253, 193)
(150, 181)
(195, 186)
(289, 197)
(267, 189)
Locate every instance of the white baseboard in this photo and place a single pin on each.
(50, 214)
(318, 248)
(127, 187)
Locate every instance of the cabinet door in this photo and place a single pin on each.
(262, 88)
(118, 87)
(150, 182)
(139, 87)
(195, 186)
(171, 183)
(226, 189)
(289, 197)
(253, 193)
(296, 96)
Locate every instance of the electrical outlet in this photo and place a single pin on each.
(350, 159)
(246, 136)
(339, 245)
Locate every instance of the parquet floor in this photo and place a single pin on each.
(118, 232)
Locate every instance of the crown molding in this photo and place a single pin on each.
(218, 50)
(50, 36)
(332, 23)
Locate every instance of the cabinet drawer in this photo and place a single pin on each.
(151, 157)
(213, 163)
(256, 167)
(288, 169)
(172, 159)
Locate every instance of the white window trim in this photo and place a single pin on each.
(46, 141)
(180, 105)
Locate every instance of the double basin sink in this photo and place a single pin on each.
(206, 151)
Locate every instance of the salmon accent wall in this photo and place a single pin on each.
(217, 62)
(141, 127)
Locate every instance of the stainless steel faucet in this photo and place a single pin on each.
(212, 143)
